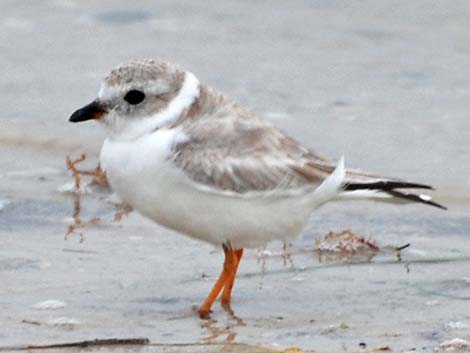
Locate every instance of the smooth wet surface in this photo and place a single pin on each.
(385, 84)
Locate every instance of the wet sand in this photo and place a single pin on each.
(384, 85)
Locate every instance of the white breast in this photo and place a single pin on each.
(143, 175)
(140, 170)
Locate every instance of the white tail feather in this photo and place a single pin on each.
(331, 187)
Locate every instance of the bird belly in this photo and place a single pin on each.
(144, 177)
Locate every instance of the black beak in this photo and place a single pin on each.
(95, 110)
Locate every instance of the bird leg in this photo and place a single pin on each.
(224, 281)
(226, 294)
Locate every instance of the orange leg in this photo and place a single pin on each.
(226, 294)
(229, 263)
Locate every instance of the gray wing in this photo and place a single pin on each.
(246, 155)
(243, 154)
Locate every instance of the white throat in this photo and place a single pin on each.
(188, 92)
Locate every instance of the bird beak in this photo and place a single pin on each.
(95, 110)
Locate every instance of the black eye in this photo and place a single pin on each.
(134, 96)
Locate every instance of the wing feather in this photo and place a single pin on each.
(246, 155)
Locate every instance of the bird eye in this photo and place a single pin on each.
(134, 97)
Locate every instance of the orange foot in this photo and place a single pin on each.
(225, 282)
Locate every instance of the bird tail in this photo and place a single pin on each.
(332, 185)
(362, 186)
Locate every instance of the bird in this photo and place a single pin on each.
(195, 161)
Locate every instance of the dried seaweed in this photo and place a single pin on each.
(121, 211)
(97, 174)
(347, 246)
(78, 223)
(94, 178)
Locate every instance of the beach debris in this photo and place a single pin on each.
(347, 246)
(456, 344)
(49, 305)
(379, 349)
(85, 344)
(363, 346)
(398, 251)
(98, 176)
(122, 210)
(95, 179)
(77, 222)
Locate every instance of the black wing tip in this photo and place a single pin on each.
(416, 186)
(385, 185)
(442, 207)
(390, 187)
(416, 198)
(435, 204)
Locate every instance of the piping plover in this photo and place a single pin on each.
(193, 160)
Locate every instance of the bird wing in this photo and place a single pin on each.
(247, 155)
(241, 156)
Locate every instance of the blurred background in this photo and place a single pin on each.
(386, 84)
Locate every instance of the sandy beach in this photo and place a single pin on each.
(384, 84)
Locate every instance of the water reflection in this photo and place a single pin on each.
(215, 331)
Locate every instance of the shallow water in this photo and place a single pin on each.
(384, 84)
